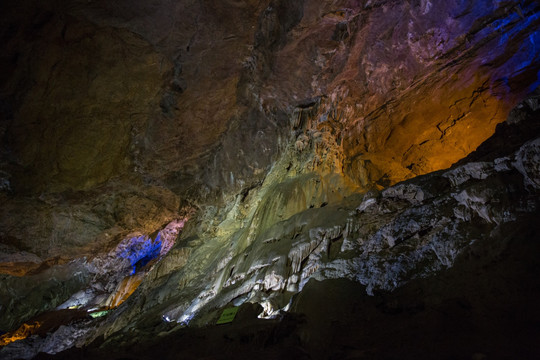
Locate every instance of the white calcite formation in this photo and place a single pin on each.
(381, 239)
(164, 160)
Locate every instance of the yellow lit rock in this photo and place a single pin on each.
(124, 290)
(24, 331)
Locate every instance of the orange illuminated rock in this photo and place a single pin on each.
(269, 117)
(17, 268)
(22, 268)
(124, 290)
(24, 331)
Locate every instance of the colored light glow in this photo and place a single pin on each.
(185, 319)
(527, 54)
(124, 290)
(181, 316)
(99, 314)
(24, 331)
(140, 251)
(519, 22)
(535, 84)
(515, 32)
(190, 313)
(18, 269)
(523, 19)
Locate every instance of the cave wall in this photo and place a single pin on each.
(260, 125)
(179, 98)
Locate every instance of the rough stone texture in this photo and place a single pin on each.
(443, 266)
(165, 98)
(282, 129)
(23, 298)
(368, 77)
(88, 87)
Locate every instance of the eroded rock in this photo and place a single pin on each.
(120, 117)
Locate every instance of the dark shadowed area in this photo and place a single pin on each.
(354, 179)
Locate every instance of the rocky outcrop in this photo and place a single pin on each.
(305, 140)
(396, 241)
(166, 75)
(381, 240)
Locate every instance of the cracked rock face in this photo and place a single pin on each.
(162, 161)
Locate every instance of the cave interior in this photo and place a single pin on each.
(264, 179)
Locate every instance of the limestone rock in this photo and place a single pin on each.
(305, 140)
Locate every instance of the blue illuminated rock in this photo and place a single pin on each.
(305, 145)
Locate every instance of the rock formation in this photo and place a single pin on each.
(162, 161)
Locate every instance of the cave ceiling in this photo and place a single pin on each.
(173, 157)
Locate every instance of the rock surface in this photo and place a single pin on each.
(434, 262)
(305, 141)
